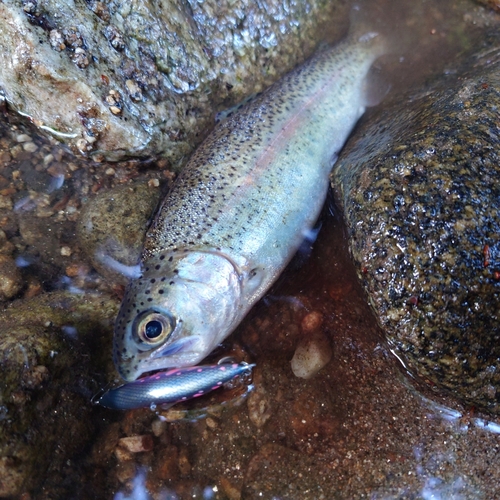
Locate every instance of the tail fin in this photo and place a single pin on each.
(394, 24)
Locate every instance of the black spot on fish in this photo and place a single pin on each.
(152, 280)
(161, 291)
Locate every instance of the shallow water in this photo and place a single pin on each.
(362, 428)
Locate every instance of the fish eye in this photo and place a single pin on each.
(153, 328)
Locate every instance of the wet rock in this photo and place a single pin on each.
(312, 354)
(49, 349)
(132, 80)
(420, 193)
(113, 224)
(10, 278)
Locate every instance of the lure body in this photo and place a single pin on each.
(239, 211)
(173, 386)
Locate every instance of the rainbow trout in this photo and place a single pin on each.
(239, 210)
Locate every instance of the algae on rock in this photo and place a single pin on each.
(419, 189)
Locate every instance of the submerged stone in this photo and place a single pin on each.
(419, 189)
(50, 350)
(112, 227)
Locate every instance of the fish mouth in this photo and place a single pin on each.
(171, 350)
(174, 348)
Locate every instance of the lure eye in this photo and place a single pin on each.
(154, 328)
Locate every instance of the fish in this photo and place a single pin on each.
(171, 387)
(239, 210)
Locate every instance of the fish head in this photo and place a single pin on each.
(176, 313)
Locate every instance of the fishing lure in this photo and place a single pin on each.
(173, 386)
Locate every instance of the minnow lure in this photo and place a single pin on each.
(239, 211)
(173, 386)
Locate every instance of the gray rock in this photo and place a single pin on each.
(115, 79)
(419, 189)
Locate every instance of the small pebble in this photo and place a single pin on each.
(134, 90)
(136, 444)
(30, 147)
(66, 251)
(15, 151)
(10, 278)
(74, 270)
(23, 138)
(29, 7)
(259, 410)
(312, 354)
(158, 427)
(211, 423)
(122, 455)
(312, 322)
(56, 40)
(48, 159)
(82, 145)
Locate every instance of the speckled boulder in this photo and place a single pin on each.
(51, 348)
(419, 188)
(116, 79)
